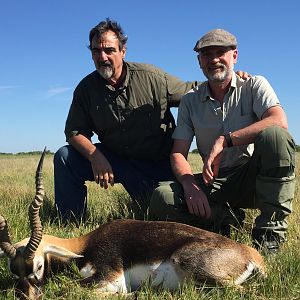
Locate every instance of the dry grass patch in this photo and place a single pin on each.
(17, 191)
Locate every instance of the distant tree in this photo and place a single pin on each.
(195, 151)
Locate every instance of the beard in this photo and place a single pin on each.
(220, 75)
(106, 71)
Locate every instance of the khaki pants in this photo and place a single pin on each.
(266, 182)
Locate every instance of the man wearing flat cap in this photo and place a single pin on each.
(248, 155)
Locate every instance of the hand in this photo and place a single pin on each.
(213, 160)
(102, 169)
(196, 200)
(243, 74)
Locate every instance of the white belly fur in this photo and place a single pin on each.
(161, 273)
(155, 274)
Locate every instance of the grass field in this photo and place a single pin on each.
(17, 191)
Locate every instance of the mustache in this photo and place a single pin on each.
(105, 64)
(218, 65)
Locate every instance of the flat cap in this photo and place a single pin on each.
(216, 37)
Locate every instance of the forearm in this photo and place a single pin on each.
(83, 145)
(274, 116)
(181, 168)
(248, 134)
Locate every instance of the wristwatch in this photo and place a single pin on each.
(228, 139)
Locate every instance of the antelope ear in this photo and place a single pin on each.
(60, 252)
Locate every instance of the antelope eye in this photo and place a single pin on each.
(39, 267)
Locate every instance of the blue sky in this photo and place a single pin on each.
(43, 53)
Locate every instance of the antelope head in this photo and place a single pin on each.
(24, 261)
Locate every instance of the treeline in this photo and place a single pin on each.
(27, 153)
(49, 152)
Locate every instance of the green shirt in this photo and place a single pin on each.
(133, 121)
(202, 116)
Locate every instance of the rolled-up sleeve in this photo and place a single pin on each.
(78, 120)
(177, 88)
(185, 128)
(264, 96)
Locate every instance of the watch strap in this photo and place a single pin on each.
(228, 139)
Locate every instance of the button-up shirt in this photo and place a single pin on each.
(134, 120)
(205, 118)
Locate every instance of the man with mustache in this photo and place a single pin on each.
(128, 106)
(248, 155)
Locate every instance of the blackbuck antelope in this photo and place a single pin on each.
(119, 256)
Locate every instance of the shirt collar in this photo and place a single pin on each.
(207, 91)
(126, 80)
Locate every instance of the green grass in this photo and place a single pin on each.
(17, 191)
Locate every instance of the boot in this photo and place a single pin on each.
(274, 198)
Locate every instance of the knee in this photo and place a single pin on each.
(162, 202)
(164, 196)
(161, 195)
(60, 156)
(276, 146)
(273, 135)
